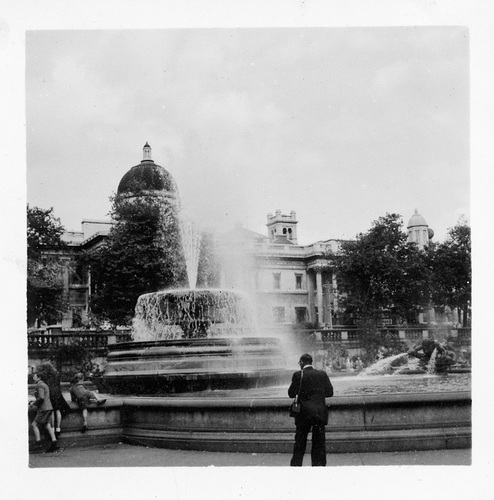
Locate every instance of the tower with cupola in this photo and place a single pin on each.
(282, 229)
(418, 230)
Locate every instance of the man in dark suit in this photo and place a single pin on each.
(314, 388)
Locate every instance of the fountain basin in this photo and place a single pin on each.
(357, 424)
(418, 371)
(185, 365)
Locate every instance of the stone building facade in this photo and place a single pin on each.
(289, 283)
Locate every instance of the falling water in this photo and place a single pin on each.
(412, 364)
(431, 366)
(191, 242)
(382, 366)
(187, 313)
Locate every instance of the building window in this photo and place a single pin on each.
(300, 314)
(276, 280)
(279, 314)
(77, 275)
(298, 281)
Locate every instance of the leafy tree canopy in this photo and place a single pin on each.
(44, 231)
(142, 254)
(380, 272)
(44, 267)
(451, 262)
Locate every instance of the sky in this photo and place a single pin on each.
(341, 125)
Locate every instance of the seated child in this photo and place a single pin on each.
(83, 396)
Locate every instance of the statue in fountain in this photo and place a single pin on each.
(429, 349)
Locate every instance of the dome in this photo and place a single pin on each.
(416, 220)
(147, 176)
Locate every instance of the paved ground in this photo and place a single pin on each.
(124, 455)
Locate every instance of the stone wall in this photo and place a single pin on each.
(357, 424)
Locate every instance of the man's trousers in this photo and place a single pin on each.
(318, 452)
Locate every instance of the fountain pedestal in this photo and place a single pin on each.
(194, 340)
(186, 365)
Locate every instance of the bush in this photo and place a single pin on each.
(71, 358)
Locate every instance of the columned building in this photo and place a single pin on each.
(291, 283)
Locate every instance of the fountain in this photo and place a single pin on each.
(199, 376)
(186, 339)
(191, 340)
(191, 242)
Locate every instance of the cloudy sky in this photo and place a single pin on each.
(341, 125)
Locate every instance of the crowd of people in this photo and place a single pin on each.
(340, 363)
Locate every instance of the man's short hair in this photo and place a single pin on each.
(306, 359)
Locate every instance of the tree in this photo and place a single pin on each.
(45, 302)
(452, 271)
(71, 358)
(379, 274)
(143, 253)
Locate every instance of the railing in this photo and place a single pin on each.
(458, 336)
(98, 341)
(91, 339)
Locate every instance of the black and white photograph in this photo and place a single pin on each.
(249, 247)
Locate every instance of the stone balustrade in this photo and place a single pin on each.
(100, 340)
(460, 337)
(93, 340)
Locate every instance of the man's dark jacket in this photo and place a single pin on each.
(315, 387)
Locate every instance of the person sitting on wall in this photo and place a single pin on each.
(83, 396)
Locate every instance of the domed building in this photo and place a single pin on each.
(149, 179)
(292, 283)
(159, 203)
